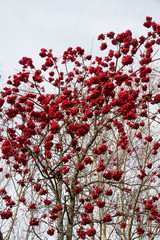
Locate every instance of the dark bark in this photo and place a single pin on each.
(1, 236)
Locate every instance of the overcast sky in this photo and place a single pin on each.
(29, 25)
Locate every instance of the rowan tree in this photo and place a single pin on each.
(80, 143)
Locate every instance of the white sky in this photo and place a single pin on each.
(28, 25)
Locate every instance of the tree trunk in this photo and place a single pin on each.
(60, 227)
(70, 219)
